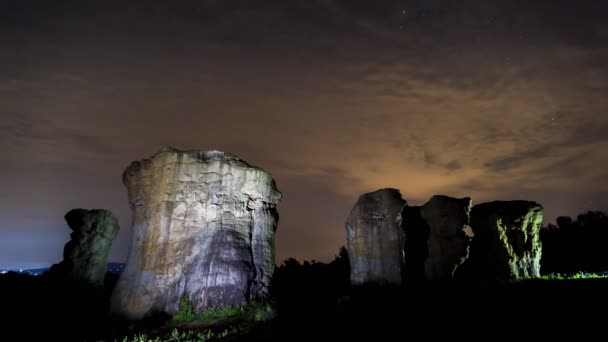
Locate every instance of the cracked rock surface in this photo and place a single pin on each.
(506, 245)
(203, 228)
(375, 239)
(85, 256)
(448, 244)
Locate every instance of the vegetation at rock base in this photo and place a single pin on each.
(575, 276)
(177, 336)
(254, 311)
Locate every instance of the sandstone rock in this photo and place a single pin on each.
(446, 218)
(375, 239)
(85, 256)
(203, 229)
(506, 244)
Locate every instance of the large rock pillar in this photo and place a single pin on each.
(375, 239)
(448, 244)
(203, 229)
(506, 245)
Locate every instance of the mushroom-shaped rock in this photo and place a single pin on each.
(375, 239)
(506, 245)
(85, 256)
(203, 229)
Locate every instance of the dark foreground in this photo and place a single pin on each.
(40, 308)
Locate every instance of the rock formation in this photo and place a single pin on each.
(85, 256)
(446, 218)
(375, 239)
(506, 244)
(203, 229)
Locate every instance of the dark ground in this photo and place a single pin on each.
(533, 308)
(41, 308)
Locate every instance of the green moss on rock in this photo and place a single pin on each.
(506, 245)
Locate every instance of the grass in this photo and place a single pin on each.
(190, 326)
(255, 311)
(575, 276)
(184, 336)
(559, 276)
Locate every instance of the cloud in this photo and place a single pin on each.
(50, 142)
(333, 98)
(453, 165)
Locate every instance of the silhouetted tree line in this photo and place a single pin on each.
(579, 245)
(309, 282)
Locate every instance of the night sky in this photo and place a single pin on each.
(487, 99)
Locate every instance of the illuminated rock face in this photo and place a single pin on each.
(506, 244)
(375, 239)
(203, 228)
(446, 218)
(85, 256)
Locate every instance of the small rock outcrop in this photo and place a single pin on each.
(375, 239)
(446, 218)
(203, 229)
(506, 245)
(85, 256)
